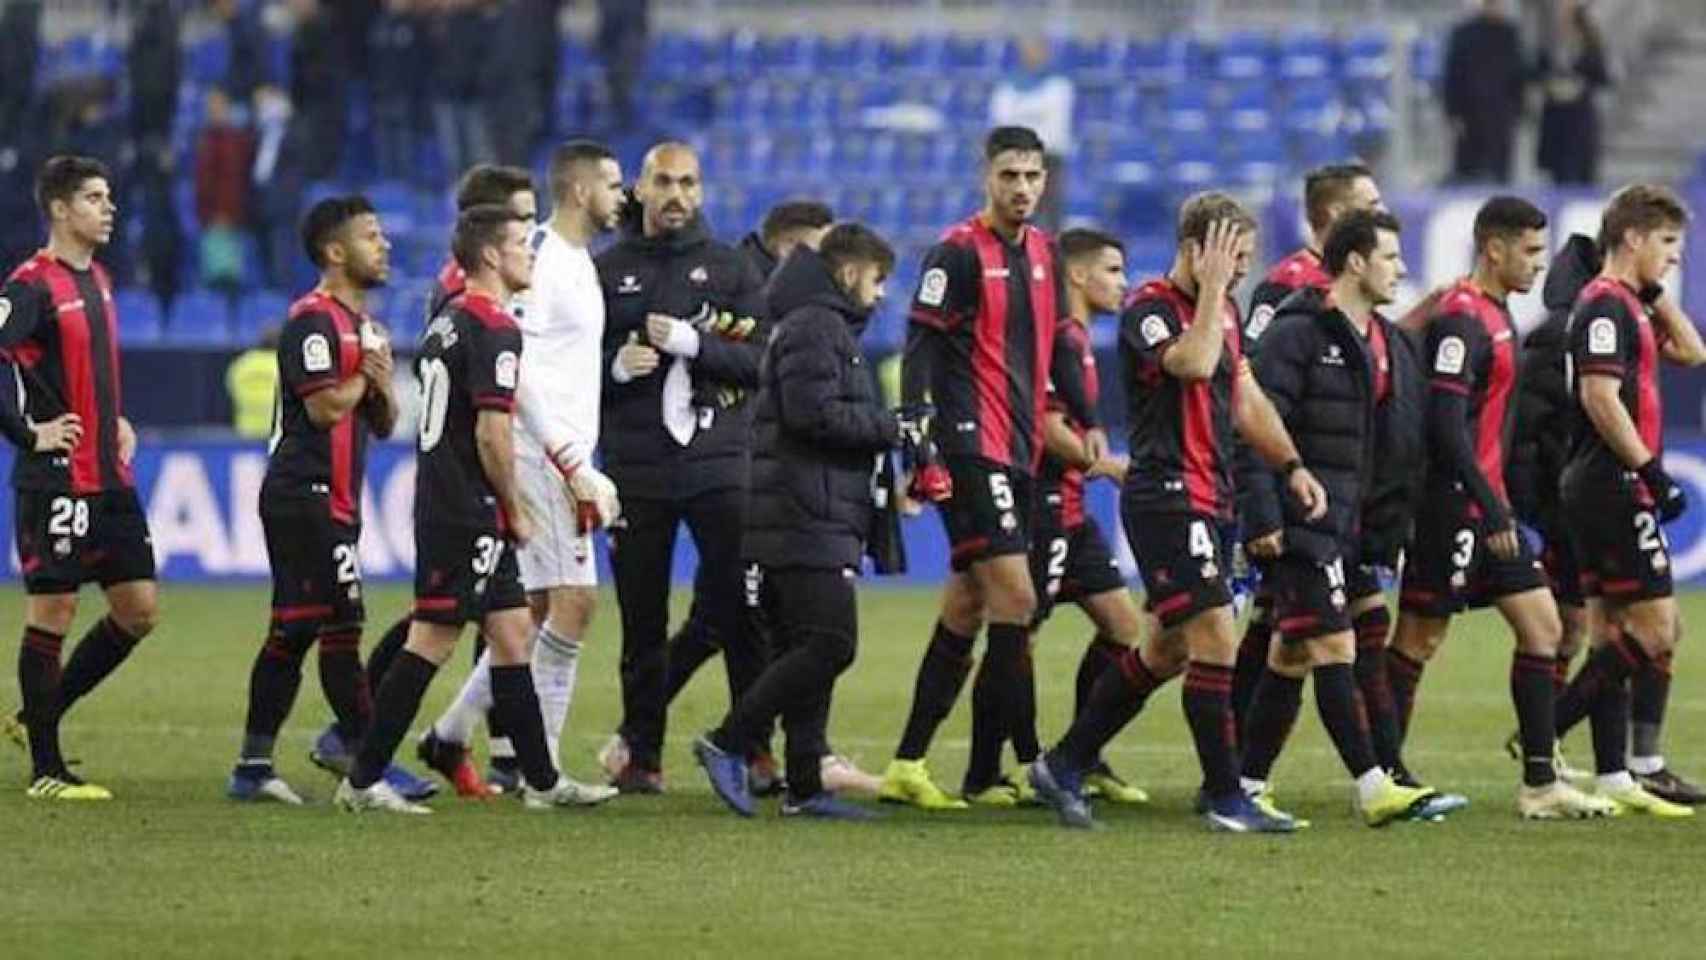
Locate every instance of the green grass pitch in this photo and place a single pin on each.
(172, 869)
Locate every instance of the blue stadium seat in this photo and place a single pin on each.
(1244, 57)
(259, 310)
(788, 53)
(1187, 109)
(1305, 55)
(140, 320)
(199, 318)
(1155, 62)
(1368, 56)
(1427, 59)
(396, 204)
(1097, 56)
(209, 59)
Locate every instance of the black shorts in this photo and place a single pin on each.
(65, 540)
(463, 574)
(1563, 570)
(989, 513)
(1625, 555)
(1068, 565)
(1448, 567)
(1362, 580)
(316, 565)
(1311, 598)
(1182, 560)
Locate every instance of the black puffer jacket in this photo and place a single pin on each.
(680, 274)
(1314, 368)
(818, 428)
(1400, 452)
(1546, 413)
(756, 253)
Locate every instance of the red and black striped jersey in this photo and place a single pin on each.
(994, 307)
(1301, 270)
(1056, 475)
(1181, 431)
(470, 361)
(319, 348)
(1612, 335)
(1473, 351)
(59, 329)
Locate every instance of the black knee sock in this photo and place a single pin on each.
(1585, 689)
(1118, 697)
(1403, 675)
(1649, 693)
(344, 684)
(1613, 663)
(1371, 628)
(1252, 659)
(1022, 723)
(38, 681)
(394, 708)
(385, 652)
(1208, 709)
(1101, 654)
(273, 682)
(1336, 701)
(498, 733)
(514, 699)
(940, 677)
(988, 720)
(98, 654)
(1531, 692)
(1268, 720)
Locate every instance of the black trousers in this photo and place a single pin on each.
(640, 556)
(813, 618)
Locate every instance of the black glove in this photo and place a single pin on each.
(1669, 500)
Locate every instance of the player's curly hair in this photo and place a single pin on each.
(325, 220)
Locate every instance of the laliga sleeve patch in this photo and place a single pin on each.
(316, 353)
(933, 289)
(507, 367)
(1602, 337)
(1449, 358)
(1259, 320)
(1154, 330)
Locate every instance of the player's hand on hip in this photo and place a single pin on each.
(62, 434)
(1308, 492)
(126, 441)
(1505, 544)
(1096, 444)
(1268, 546)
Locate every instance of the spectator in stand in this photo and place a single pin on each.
(317, 85)
(395, 47)
(1571, 70)
(623, 27)
(278, 177)
(155, 69)
(1483, 79)
(1039, 98)
(460, 40)
(20, 24)
(247, 39)
(519, 86)
(224, 159)
(160, 266)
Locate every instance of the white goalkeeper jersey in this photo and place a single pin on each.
(562, 327)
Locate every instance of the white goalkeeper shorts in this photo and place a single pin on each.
(559, 555)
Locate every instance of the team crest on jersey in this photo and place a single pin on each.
(1602, 336)
(699, 275)
(505, 373)
(1153, 329)
(5, 311)
(933, 289)
(316, 353)
(1450, 356)
(1259, 320)
(628, 284)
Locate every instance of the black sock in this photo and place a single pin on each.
(1208, 709)
(940, 677)
(394, 708)
(98, 654)
(38, 681)
(1252, 659)
(498, 732)
(1584, 690)
(1560, 675)
(1022, 723)
(1101, 654)
(514, 699)
(1531, 691)
(1372, 627)
(1649, 693)
(1268, 721)
(385, 652)
(1119, 696)
(1336, 702)
(1403, 675)
(344, 684)
(273, 682)
(1613, 663)
(988, 721)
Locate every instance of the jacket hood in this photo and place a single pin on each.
(804, 280)
(752, 245)
(1573, 266)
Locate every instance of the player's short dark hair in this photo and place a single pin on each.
(62, 176)
(477, 228)
(856, 243)
(1356, 232)
(793, 215)
(1326, 187)
(325, 220)
(1083, 241)
(564, 158)
(1643, 208)
(487, 183)
(1504, 218)
(1003, 139)
(1200, 210)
